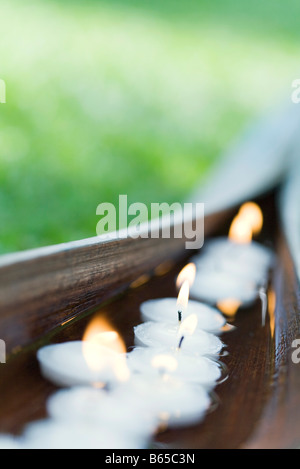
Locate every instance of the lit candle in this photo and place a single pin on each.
(190, 369)
(250, 261)
(52, 434)
(234, 261)
(114, 410)
(196, 342)
(165, 310)
(235, 267)
(214, 286)
(170, 310)
(175, 402)
(94, 360)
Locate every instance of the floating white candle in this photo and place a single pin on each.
(254, 275)
(213, 286)
(116, 409)
(10, 442)
(251, 255)
(165, 310)
(65, 364)
(239, 249)
(238, 255)
(156, 334)
(235, 268)
(98, 359)
(190, 369)
(50, 434)
(175, 402)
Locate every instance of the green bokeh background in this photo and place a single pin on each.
(127, 97)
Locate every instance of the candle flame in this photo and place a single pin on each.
(252, 212)
(229, 306)
(165, 362)
(183, 295)
(248, 222)
(103, 347)
(188, 326)
(188, 273)
(240, 232)
(100, 331)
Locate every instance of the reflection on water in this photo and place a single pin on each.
(227, 328)
(229, 306)
(271, 309)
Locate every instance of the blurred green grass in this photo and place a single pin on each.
(127, 97)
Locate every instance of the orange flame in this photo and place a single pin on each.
(240, 231)
(183, 296)
(99, 331)
(188, 273)
(103, 347)
(253, 214)
(248, 221)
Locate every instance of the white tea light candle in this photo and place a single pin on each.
(156, 334)
(232, 267)
(251, 255)
(165, 310)
(114, 410)
(214, 286)
(65, 364)
(51, 434)
(236, 267)
(190, 369)
(173, 401)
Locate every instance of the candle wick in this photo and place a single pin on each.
(179, 316)
(180, 343)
